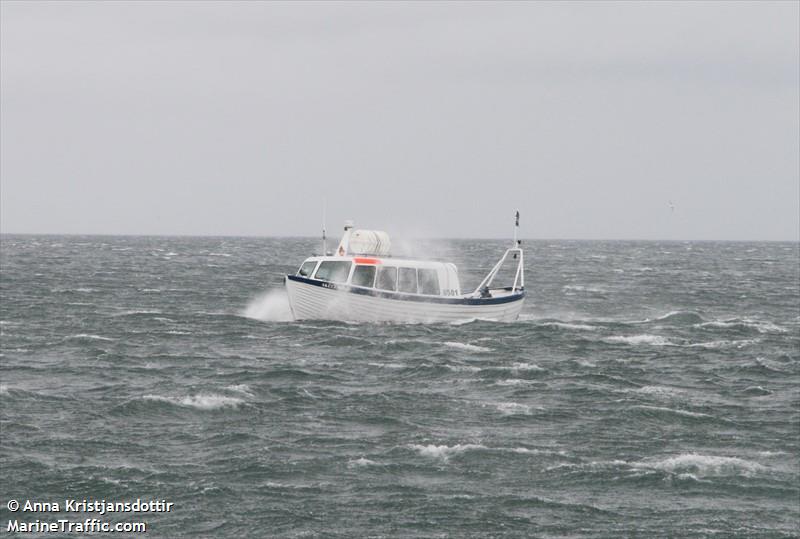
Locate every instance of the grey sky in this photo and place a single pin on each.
(425, 119)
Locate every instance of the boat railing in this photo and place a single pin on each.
(519, 274)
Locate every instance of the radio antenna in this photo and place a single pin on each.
(324, 236)
(516, 228)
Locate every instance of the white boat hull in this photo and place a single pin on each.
(311, 300)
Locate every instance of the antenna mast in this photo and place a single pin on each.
(324, 236)
(516, 228)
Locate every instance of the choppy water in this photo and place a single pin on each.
(649, 390)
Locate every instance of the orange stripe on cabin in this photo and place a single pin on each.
(367, 260)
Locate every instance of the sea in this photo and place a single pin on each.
(648, 389)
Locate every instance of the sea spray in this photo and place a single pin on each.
(270, 306)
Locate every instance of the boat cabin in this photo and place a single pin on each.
(421, 277)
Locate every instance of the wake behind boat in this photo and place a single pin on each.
(363, 282)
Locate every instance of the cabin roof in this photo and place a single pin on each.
(383, 260)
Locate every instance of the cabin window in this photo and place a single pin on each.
(334, 271)
(307, 268)
(387, 278)
(364, 276)
(407, 280)
(428, 282)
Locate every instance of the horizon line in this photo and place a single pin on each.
(162, 235)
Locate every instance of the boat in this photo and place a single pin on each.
(362, 282)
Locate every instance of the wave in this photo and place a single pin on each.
(512, 408)
(684, 413)
(566, 325)
(444, 452)
(90, 337)
(244, 389)
(361, 462)
(463, 368)
(207, 401)
(635, 340)
(526, 367)
(138, 312)
(680, 318)
(741, 343)
(703, 465)
(514, 382)
(757, 391)
(467, 347)
(582, 288)
(659, 391)
(761, 326)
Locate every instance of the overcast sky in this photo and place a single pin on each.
(425, 119)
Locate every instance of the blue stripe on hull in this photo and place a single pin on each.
(408, 297)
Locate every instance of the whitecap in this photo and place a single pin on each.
(565, 325)
(361, 462)
(526, 367)
(684, 413)
(582, 288)
(444, 452)
(201, 401)
(513, 382)
(703, 465)
(741, 343)
(762, 326)
(652, 340)
(463, 368)
(512, 408)
(467, 347)
(241, 388)
(658, 391)
(90, 336)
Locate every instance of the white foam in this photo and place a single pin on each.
(271, 306)
(244, 389)
(3, 389)
(703, 465)
(90, 336)
(463, 368)
(200, 401)
(762, 326)
(635, 340)
(513, 408)
(565, 325)
(684, 413)
(387, 365)
(582, 288)
(444, 452)
(658, 391)
(741, 343)
(526, 367)
(514, 382)
(468, 347)
(361, 462)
